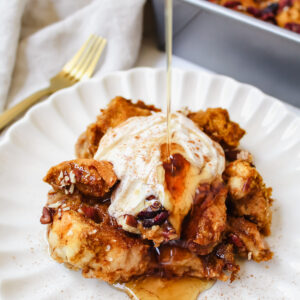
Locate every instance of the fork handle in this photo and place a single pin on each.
(10, 114)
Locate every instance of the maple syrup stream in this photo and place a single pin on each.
(169, 36)
(156, 288)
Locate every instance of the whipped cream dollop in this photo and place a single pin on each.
(134, 148)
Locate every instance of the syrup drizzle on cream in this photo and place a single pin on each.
(134, 149)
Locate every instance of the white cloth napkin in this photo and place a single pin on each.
(39, 36)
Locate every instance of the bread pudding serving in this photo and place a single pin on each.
(123, 210)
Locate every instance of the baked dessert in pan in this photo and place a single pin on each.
(284, 13)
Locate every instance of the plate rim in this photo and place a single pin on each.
(5, 138)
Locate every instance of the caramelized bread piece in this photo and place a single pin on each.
(118, 110)
(225, 252)
(176, 261)
(249, 196)
(89, 176)
(84, 236)
(248, 240)
(206, 222)
(158, 233)
(215, 122)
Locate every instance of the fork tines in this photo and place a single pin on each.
(83, 64)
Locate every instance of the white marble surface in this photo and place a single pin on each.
(150, 56)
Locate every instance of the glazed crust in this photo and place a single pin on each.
(215, 122)
(90, 177)
(248, 195)
(206, 222)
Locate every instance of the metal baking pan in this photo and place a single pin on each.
(230, 43)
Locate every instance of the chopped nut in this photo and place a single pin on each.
(55, 205)
(66, 208)
(236, 240)
(72, 177)
(92, 213)
(109, 258)
(108, 247)
(131, 220)
(249, 255)
(71, 190)
(46, 217)
(61, 175)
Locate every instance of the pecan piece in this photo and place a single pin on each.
(47, 216)
(92, 213)
(131, 221)
(236, 241)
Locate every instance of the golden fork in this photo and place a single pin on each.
(81, 66)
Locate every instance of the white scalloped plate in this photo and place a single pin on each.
(46, 136)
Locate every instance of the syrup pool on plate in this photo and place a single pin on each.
(155, 288)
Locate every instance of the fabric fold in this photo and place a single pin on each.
(47, 44)
(10, 24)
